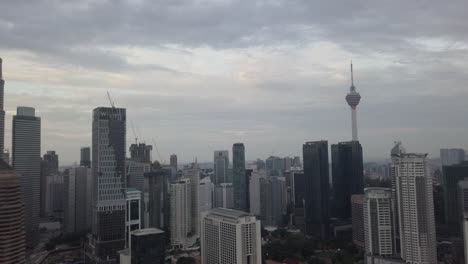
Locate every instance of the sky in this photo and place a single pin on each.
(199, 75)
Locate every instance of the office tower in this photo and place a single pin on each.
(77, 200)
(378, 222)
(287, 163)
(108, 229)
(148, 246)
(463, 201)
(180, 213)
(298, 192)
(274, 164)
(224, 195)
(54, 202)
(85, 157)
(353, 98)
(273, 201)
(260, 165)
(248, 175)
(173, 164)
(51, 161)
(239, 180)
(133, 212)
(357, 219)
(135, 173)
(27, 163)
(451, 175)
(193, 174)
(2, 110)
(348, 178)
(452, 156)
(254, 190)
(317, 217)
(221, 166)
(12, 242)
(141, 152)
(229, 236)
(156, 205)
(415, 208)
(206, 194)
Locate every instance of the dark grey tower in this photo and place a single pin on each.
(347, 171)
(2, 113)
(52, 161)
(317, 216)
(85, 157)
(27, 163)
(239, 180)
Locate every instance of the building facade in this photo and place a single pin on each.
(224, 195)
(273, 201)
(452, 156)
(316, 170)
(173, 164)
(135, 171)
(206, 193)
(78, 201)
(156, 204)
(193, 174)
(148, 246)
(141, 152)
(229, 236)
(85, 157)
(451, 176)
(180, 213)
(221, 166)
(27, 163)
(357, 219)
(239, 181)
(132, 213)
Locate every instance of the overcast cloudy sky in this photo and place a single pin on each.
(199, 75)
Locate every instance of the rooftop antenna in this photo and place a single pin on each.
(352, 76)
(110, 99)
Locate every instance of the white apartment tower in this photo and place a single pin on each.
(378, 231)
(413, 186)
(180, 213)
(230, 237)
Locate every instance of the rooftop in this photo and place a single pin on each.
(132, 190)
(228, 213)
(147, 231)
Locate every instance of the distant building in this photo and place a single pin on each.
(273, 201)
(357, 219)
(133, 212)
(298, 193)
(54, 202)
(451, 176)
(239, 181)
(224, 195)
(156, 203)
(260, 165)
(348, 177)
(206, 193)
(27, 163)
(141, 152)
(193, 174)
(85, 157)
(221, 166)
(415, 208)
(135, 173)
(52, 161)
(180, 213)
(12, 233)
(229, 236)
(77, 200)
(452, 156)
(317, 218)
(254, 191)
(297, 162)
(173, 164)
(274, 164)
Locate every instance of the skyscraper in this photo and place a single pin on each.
(357, 220)
(173, 164)
(463, 200)
(2, 111)
(193, 174)
(452, 156)
(135, 173)
(156, 204)
(348, 178)
(224, 195)
(206, 194)
(85, 157)
(141, 152)
(12, 242)
(229, 236)
(148, 246)
(238, 177)
(415, 208)
(317, 217)
(451, 175)
(273, 201)
(221, 166)
(353, 98)
(181, 218)
(27, 164)
(108, 229)
(133, 213)
(52, 162)
(378, 225)
(77, 200)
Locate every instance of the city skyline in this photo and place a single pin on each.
(251, 74)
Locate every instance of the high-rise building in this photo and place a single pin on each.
(52, 162)
(27, 163)
(260, 165)
(148, 246)
(239, 181)
(452, 156)
(49, 166)
(415, 208)
(254, 191)
(85, 157)
(141, 152)
(77, 200)
(273, 201)
(221, 166)
(156, 204)
(229, 236)
(193, 174)
(132, 213)
(180, 213)
(451, 175)
(297, 162)
(378, 225)
(2, 111)
(298, 192)
(108, 228)
(348, 176)
(463, 201)
(206, 194)
(274, 164)
(224, 195)
(357, 219)
(135, 173)
(12, 235)
(173, 164)
(54, 202)
(317, 216)
(353, 98)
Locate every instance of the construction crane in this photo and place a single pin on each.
(134, 133)
(110, 99)
(157, 151)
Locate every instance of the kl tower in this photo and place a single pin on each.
(353, 98)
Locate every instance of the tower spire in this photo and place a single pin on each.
(352, 76)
